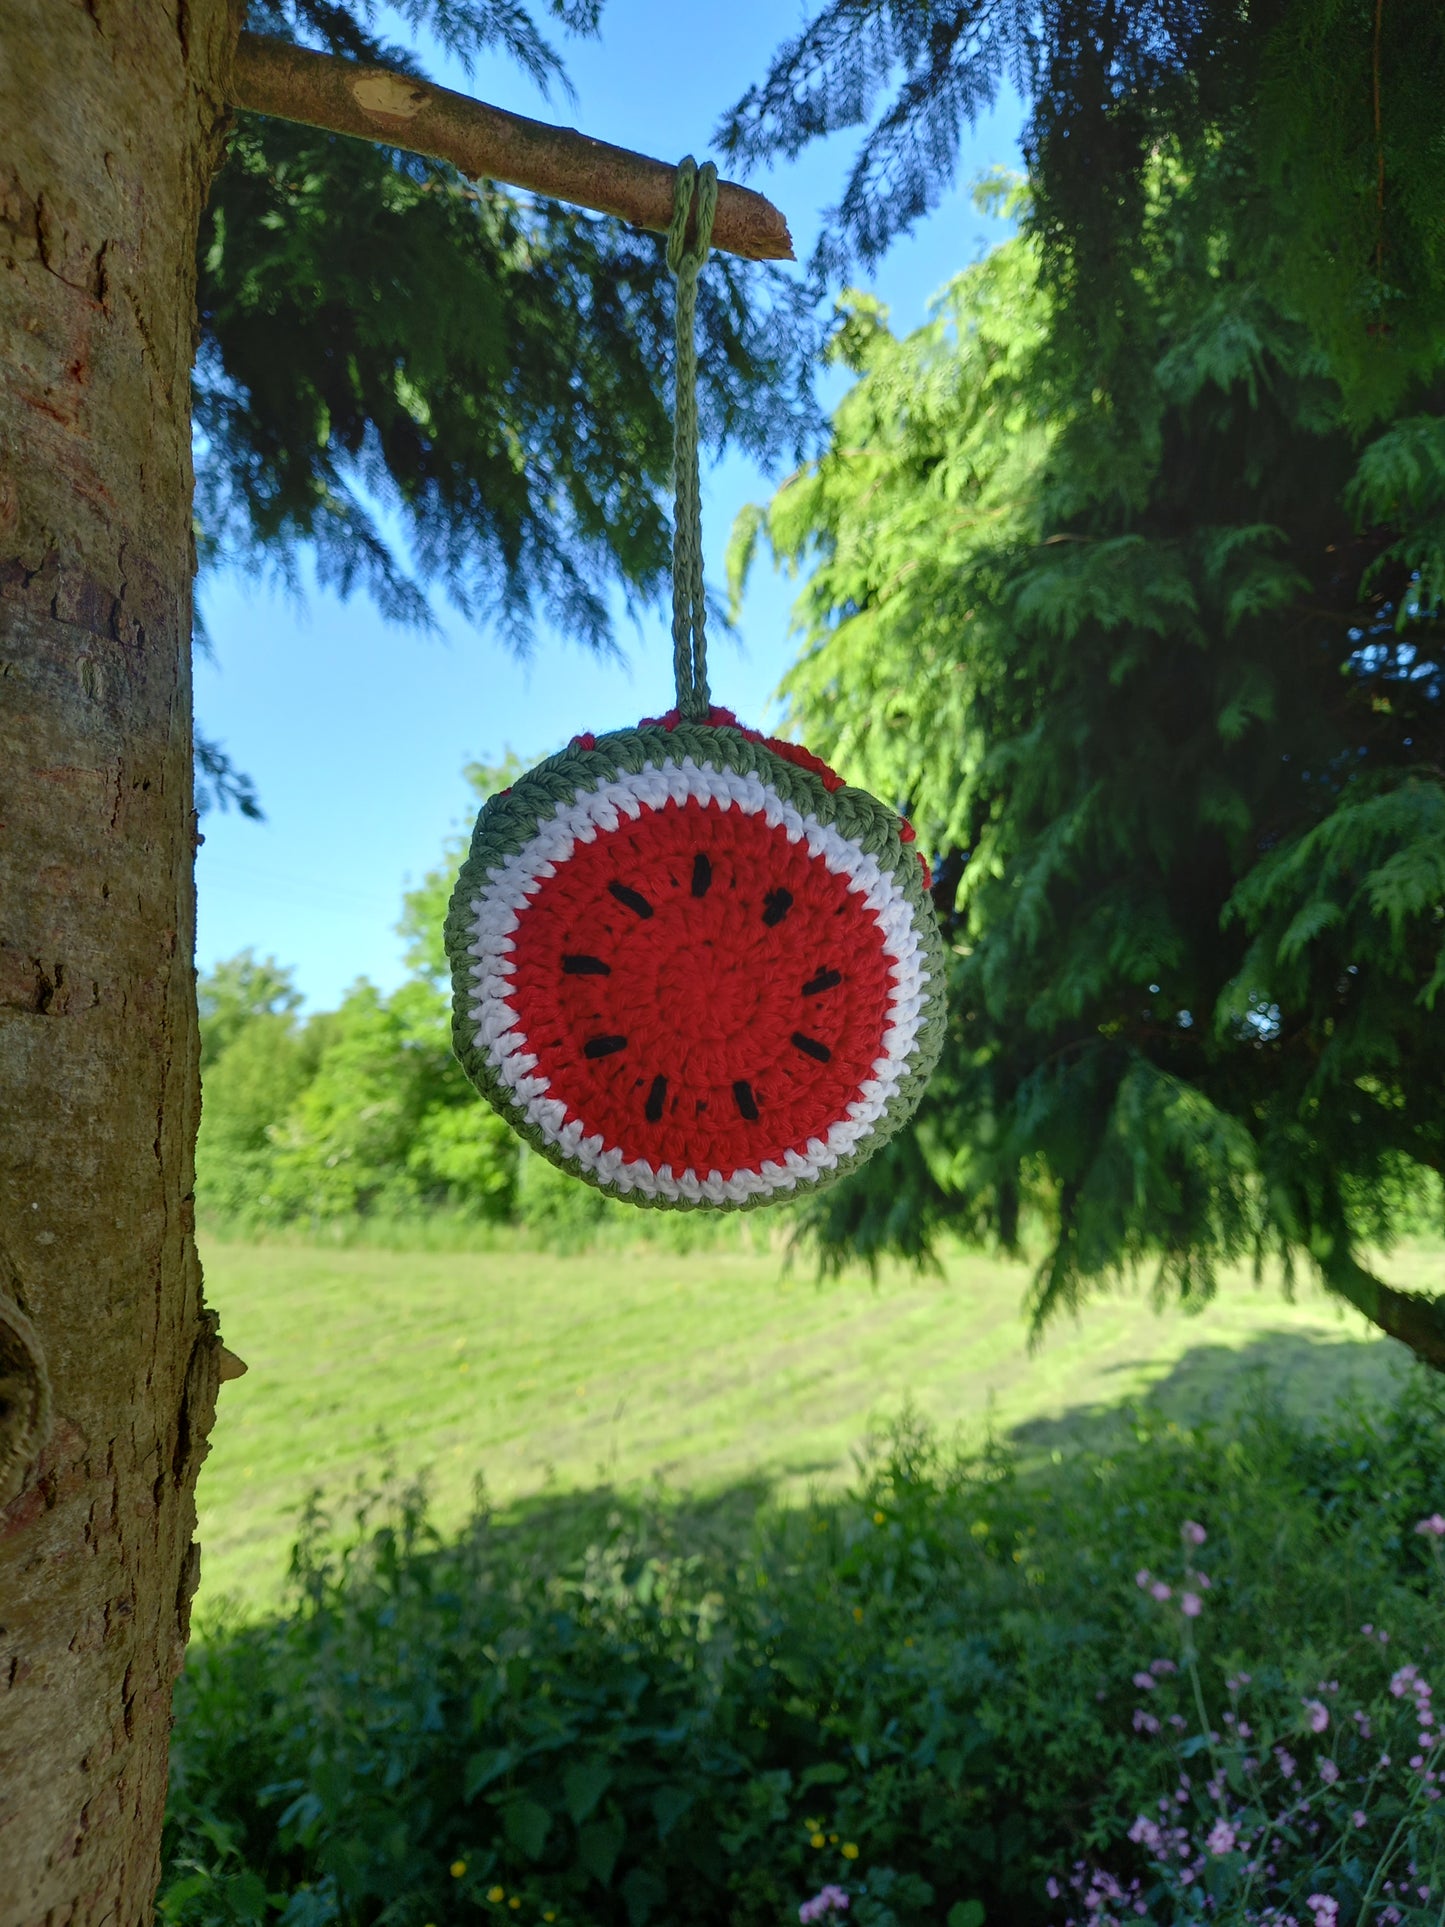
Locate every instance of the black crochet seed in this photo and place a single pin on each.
(603, 1046)
(631, 899)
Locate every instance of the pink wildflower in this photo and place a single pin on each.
(830, 1900)
(1329, 1772)
(1195, 1535)
(1191, 1605)
(1326, 1911)
(1142, 1577)
(1434, 1526)
(1319, 1716)
(1146, 1682)
(1160, 1591)
(1221, 1837)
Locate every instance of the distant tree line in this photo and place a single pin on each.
(361, 1111)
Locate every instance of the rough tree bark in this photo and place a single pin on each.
(110, 115)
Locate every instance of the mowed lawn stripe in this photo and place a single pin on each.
(541, 1370)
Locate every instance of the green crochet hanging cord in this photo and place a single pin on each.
(690, 964)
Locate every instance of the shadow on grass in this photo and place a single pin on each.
(1306, 1377)
(1309, 1376)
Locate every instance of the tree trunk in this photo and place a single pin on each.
(110, 115)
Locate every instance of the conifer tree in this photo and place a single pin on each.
(1152, 653)
(1127, 580)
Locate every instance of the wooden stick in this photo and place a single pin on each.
(273, 76)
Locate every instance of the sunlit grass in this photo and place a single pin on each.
(541, 1371)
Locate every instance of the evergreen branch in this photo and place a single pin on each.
(374, 103)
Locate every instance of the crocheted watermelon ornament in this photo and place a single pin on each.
(690, 964)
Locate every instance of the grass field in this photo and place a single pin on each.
(708, 1371)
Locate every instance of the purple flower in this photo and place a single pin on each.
(1319, 1716)
(1191, 1605)
(1145, 1682)
(1326, 1911)
(1329, 1772)
(1194, 1534)
(1160, 1591)
(1434, 1526)
(1221, 1837)
(830, 1900)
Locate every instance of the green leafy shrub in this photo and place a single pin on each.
(355, 1113)
(923, 1696)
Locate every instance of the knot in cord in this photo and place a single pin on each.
(689, 643)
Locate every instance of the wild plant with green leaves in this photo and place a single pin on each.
(924, 1696)
(1150, 651)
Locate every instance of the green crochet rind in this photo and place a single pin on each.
(508, 822)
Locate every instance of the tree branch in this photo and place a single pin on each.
(1416, 1318)
(274, 76)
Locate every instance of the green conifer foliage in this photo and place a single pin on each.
(420, 382)
(1157, 671)
(389, 352)
(1325, 112)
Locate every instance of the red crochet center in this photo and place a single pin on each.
(700, 990)
(790, 753)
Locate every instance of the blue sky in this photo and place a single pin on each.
(357, 733)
